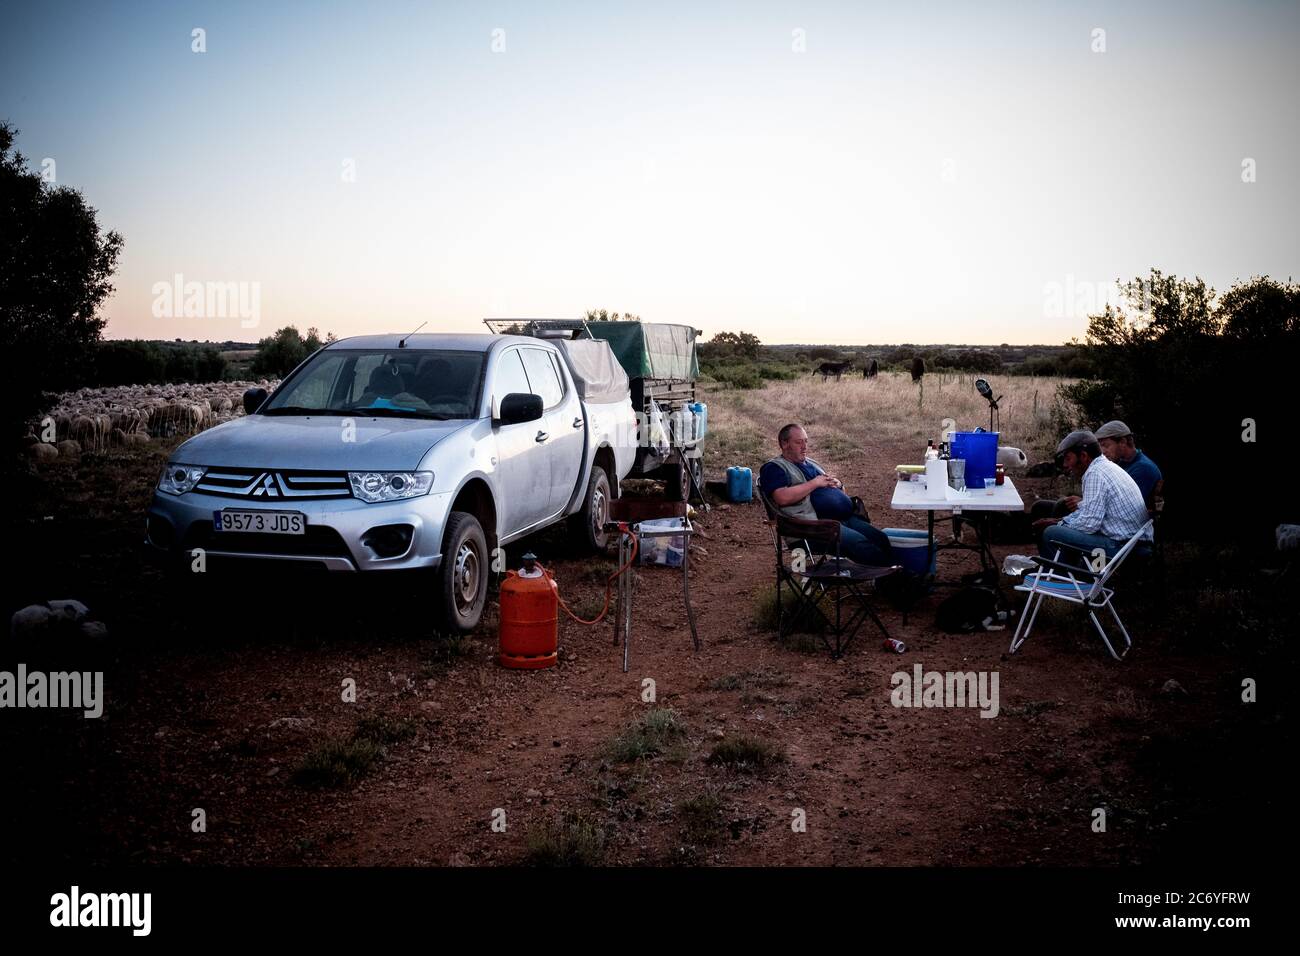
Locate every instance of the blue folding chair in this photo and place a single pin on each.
(1078, 585)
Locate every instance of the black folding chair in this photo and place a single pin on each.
(817, 571)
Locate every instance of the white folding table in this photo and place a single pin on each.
(914, 496)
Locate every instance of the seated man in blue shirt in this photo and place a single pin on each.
(1117, 444)
(799, 487)
(1110, 512)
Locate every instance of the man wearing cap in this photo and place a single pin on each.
(1110, 511)
(1117, 444)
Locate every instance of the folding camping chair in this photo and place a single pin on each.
(821, 572)
(1077, 585)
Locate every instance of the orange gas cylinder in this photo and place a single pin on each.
(529, 632)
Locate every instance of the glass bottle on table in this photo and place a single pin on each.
(930, 452)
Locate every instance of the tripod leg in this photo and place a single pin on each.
(686, 590)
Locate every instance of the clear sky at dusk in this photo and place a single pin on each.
(810, 172)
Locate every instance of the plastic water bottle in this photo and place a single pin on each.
(683, 425)
(690, 425)
(701, 411)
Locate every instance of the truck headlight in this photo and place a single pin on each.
(178, 479)
(374, 486)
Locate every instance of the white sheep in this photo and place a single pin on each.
(66, 609)
(96, 419)
(29, 620)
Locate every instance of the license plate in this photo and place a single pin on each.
(260, 522)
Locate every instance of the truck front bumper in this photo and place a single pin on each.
(341, 534)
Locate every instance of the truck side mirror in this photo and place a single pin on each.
(253, 399)
(520, 407)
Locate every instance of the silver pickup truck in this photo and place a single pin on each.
(407, 452)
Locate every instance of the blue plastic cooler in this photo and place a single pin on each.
(912, 550)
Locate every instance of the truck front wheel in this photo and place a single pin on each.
(588, 525)
(464, 572)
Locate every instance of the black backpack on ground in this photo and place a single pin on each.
(970, 610)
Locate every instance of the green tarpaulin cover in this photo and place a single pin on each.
(651, 349)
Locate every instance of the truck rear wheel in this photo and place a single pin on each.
(588, 525)
(678, 477)
(676, 482)
(697, 476)
(463, 575)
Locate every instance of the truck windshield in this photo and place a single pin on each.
(401, 383)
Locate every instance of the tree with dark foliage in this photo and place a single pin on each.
(280, 354)
(734, 344)
(55, 267)
(1206, 383)
(601, 315)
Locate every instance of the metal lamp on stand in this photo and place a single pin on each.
(982, 387)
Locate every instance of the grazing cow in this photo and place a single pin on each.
(870, 371)
(918, 368)
(833, 368)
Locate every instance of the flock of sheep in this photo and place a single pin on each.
(92, 420)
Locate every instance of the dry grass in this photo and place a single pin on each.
(1128, 708)
(858, 414)
(747, 754)
(572, 839)
(702, 819)
(763, 677)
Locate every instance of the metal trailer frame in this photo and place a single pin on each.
(671, 394)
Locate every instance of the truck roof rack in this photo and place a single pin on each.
(536, 327)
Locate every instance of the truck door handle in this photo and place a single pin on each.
(542, 436)
(577, 423)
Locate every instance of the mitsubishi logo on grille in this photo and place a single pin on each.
(265, 485)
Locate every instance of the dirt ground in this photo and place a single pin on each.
(214, 704)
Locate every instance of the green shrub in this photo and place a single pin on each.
(333, 763)
(651, 734)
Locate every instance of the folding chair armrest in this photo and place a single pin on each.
(1073, 547)
(803, 524)
(1071, 569)
(807, 527)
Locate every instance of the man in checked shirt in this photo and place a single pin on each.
(1110, 511)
